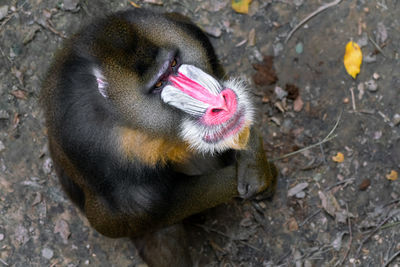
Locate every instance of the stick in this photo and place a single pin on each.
(371, 234)
(391, 259)
(309, 218)
(208, 229)
(350, 238)
(316, 12)
(327, 138)
(377, 46)
(339, 183)
(353, 101)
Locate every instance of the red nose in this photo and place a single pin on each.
(222, 109)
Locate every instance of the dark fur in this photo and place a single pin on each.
(123, 197)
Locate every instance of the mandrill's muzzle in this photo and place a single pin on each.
(197, 93)
(221, 115)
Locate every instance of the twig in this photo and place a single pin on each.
(376, 46)
(371, 234)
(350, 238)
(309, 218)
(392, 202)
(2, 261)
(391, 259)
(339, 183)
(327, 138)
(316, 12)
(353, 100)
(208, 229)
(11, 15)
(390, 225)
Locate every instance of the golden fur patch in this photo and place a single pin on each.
(149, 150)
(240, 142)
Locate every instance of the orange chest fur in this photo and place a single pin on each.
(149, 150)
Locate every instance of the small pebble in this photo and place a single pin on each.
(369, 59)
(297, 189)
(299, 48)
(1, 237)
(3, 11)
(376, 76)
(47, 166)
(47, 253)
(213, 31)
(280, 93)
(371, 85)
(301, 194)
(278, 49)
(4, 115)
(396, 119)
(2, 147)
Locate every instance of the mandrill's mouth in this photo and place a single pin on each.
(230, 129)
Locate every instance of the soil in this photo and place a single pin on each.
(324, 213)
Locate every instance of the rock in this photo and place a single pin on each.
(4, 115)
(71, 5)
(47, 165)
(280, 93)
(213, 31)
(3, 11)
(396, 119)
(278, 49)
(47, 253)
(371, 85)
(2, 147)
(297, 189)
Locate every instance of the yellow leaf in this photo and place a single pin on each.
(352, 59)
(393, 175)
(338, 158)
(241, 6)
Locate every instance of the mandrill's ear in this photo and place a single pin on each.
(101, 82)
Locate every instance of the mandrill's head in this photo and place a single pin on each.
(162, 79)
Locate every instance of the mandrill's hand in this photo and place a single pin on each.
(254, 173)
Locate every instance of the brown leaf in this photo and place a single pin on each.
(15, 120)
(292, 225)
(20, 94)
(329, 203)
(298, 104)
(18, 74)
(252, 37)
(293, 91)
(62, 228)
(364, 184)
(265, 74)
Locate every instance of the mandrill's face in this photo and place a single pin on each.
(218, 114)
(171, 70)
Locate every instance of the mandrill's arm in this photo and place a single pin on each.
(251, 174)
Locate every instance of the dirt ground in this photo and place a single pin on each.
(324, 213)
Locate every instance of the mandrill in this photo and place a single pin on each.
(143, 131)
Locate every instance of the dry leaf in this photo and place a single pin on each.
(392, 176)
(265, 74)
(62, 228)
(329, 203)
(298, 104)
(352, 59)
(338, 158)
(19, 94)
(292, 225)
(241, 6)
